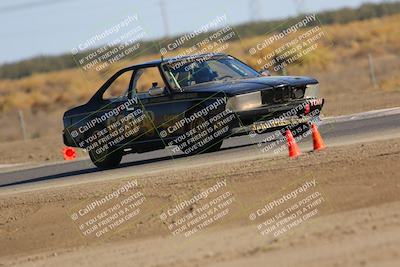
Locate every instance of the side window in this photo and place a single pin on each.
(145, 78)
(119, 87)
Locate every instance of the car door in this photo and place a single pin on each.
(163, 108)
(115, 109)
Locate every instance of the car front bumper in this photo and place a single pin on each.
(272, 125)
(275, 117)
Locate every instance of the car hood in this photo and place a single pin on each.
(243, 86)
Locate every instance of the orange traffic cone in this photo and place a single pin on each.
(317, 139)
(294, 150)
(69, 153)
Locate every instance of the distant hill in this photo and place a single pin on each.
(52, 63)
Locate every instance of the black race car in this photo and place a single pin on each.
(189, 104)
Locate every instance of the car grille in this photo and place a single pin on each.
(282, 94)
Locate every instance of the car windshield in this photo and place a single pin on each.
(187, 73)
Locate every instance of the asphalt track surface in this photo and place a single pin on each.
(336, 131)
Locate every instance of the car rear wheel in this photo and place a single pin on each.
(107, 159)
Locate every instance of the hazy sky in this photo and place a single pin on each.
(36, 27)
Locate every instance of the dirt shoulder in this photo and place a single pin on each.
(356, 224)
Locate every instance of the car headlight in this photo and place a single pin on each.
(311, 90)
(244, 102)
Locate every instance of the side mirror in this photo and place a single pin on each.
(157, 91)
(265, 72)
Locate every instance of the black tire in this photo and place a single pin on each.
(106, 160)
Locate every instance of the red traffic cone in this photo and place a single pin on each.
(69, 153)
(294, 150)
(317, 139)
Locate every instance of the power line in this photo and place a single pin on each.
(30, 5)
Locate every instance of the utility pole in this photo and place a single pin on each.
(22, 124)
(254, 10)
(164, 17)
(372, 71)
(299, 6)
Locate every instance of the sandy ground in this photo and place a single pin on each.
(357, 222)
